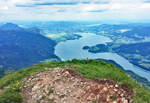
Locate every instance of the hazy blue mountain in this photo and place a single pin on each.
(10, 27)
(21, 47)
(36, 30)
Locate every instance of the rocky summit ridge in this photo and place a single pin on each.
(67, 86)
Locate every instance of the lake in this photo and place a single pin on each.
(72, 49)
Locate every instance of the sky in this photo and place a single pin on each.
(76, 10)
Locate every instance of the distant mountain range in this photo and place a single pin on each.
(20, 47)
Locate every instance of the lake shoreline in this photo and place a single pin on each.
(72, 49)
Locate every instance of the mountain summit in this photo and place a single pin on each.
(10, 26)
(76, 81)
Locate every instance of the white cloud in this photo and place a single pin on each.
(113, 10)
(145, 5)
(91, 7)
(115, 6)
(4, 8)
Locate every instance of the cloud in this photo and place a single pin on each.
(119, 10)
(146, 1)
(4, 8)
(47, 3)
(95, 7)
(116, 6)
(34, 3)
(98, 11)
(145, 5)
(21, 5)
(61, 10)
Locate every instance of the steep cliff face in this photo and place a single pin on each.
(76, 81)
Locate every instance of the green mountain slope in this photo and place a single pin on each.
(11, 85)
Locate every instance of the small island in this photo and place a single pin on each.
(86, 48)
(99, 48)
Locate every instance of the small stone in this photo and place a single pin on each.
(114, 101)
(115, 90)
(122, 95)
(58, 74)
(116, 86)
(66, 73)
(124, 100)
(39, 97)
(105, 89)
(88, 87)
(35, 88)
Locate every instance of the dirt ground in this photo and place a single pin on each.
(67, 86)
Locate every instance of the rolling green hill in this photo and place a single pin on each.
(11, 85)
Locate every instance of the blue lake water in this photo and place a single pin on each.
(71, 49)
